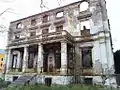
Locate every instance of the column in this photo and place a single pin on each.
(63, 58)
(25, 59)
(40, 58)
(8, 60)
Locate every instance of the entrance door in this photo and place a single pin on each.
(14, 61)
(51, 62)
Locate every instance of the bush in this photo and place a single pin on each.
(43, 87)
(3, 84)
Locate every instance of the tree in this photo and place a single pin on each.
(117, 66)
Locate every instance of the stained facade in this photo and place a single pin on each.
(62, 42)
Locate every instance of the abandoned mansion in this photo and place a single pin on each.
(72, 40)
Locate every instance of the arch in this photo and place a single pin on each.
(84, 6)
(85, 24)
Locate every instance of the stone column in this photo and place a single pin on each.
(25, 59)
(8, 60)
(63, 58)
(40, 58)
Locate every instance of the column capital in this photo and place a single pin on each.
(63, 41)
(40, 44)
(26, 46)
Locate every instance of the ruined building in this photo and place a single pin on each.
(73, 40)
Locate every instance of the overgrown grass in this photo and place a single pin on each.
(55, 87)
(3, 84)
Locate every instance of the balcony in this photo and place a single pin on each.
(85, 32)
(44, 38)
(84, 14)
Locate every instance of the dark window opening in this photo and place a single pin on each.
(31, 60)
(1, 59)
(1, 64)
(33, 22)
(59, 28)
(44, 31)
(45, 19)
(33, 34)
(59, 14)
(48, 81)
(57, 60)
(17, 36)
(88, 81)
(15, 78)
(87, 57)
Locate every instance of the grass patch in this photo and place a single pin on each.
(56, 87)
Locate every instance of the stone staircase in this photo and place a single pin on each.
(24, 80)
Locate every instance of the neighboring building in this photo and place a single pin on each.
(2, 58)
(59, 43)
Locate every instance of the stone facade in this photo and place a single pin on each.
(61, 43)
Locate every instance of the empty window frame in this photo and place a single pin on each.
(33, 22)
(1, 59)
(87, 57)
(45, 18)
(19, 25)
(59, 14)
(85, 25)
(59, 28)
(84, 6)
(17, 36)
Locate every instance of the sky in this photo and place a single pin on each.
(17, 9)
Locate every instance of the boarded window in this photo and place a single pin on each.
(84, 6)
(87, 57)
(44, 31)
(59, 14)
(59, 28)
(33, 22)
(45, 19)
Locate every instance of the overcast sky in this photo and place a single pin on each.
(22, 8)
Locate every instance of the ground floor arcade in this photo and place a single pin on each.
(54, 58)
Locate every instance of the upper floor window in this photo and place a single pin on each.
(85, 24)
(45, 19)
(32, 33)
(59, 14)
(84, 6)
(59, 28)
(19, 25)
(87, 57)
(44, 31)
(33, 22)
(17, 36)
(1, 59)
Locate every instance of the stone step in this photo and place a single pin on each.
(23, 80)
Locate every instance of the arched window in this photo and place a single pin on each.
(19, 25)
(84, 6)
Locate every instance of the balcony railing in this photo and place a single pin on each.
(44, 38)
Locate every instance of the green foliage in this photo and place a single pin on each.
(56, 87)
(3, 83)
